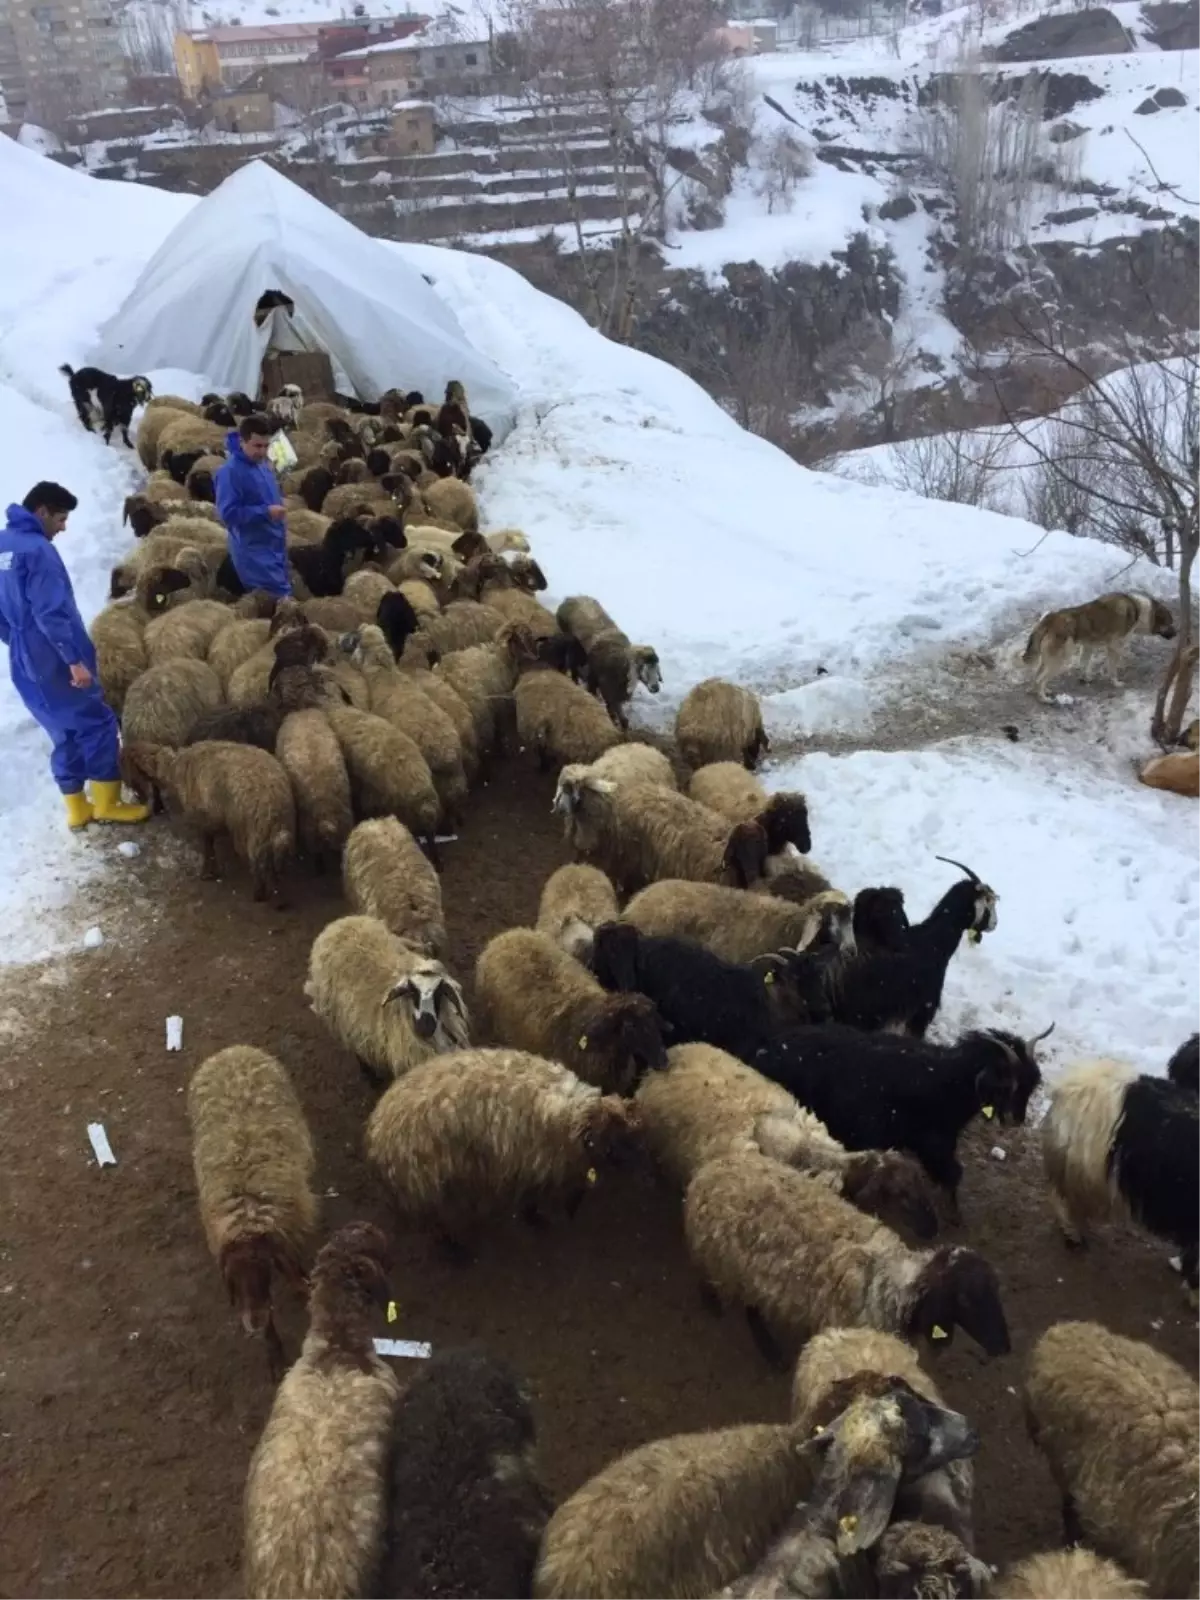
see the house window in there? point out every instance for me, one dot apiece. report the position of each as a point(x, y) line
point(439, 63)
point(470, 58)
point(414, 122)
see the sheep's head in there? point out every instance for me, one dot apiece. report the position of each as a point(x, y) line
point(611, 1131)
point(784, 819)
point(517, 638)
point(157, 585)
point(614, 956)
point(958, 1288)
point(247, 1266)
point(880, 920)
point(348, 1278)
point(180, 462)
point(456, 394)
point(144, 766)
point(368, 647)
point(575, 783)
point(828, 923)
point(143, 390)
point(200, 485)
point(622, 1041)
point(298, 647)
point(314, 486)
point(397, 620)
point(892, 1186)
point(746, 852)
point(142, 515)
point(646, 667)
point(353, 471)
point(349, 542)
point(1004, 1086)
point(240, 404)
point(288, 614)
point(378, 461)
point(388, 531)
point(217, 411)
point(924, 1559)
point(878, 1434)
point(1162, 623)
point(434, 1005)
point(506, 540)
point(526, 573)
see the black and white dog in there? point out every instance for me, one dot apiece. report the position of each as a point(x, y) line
point(114, 398)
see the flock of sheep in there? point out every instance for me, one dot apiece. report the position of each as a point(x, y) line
point(694, 988)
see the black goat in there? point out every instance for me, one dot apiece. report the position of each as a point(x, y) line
point(884, 1092)
point(324, 567)
point(700, 997)
point(1183, 1069)
point(1154, 1156)
point(880, 920)
point(115, 398)
point(902, 988)
point(481, 434)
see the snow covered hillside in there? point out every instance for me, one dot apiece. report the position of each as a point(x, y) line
point(633, 485)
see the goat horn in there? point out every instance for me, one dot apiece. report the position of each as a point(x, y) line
point(1038, 1037)
point(950, 862)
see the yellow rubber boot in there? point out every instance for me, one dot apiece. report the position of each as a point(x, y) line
point(108, 806)
point(79, 810)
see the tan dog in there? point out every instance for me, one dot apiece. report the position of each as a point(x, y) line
point(1085, 631)
point(1179, 772)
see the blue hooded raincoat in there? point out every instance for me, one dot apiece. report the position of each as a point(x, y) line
point(257, 546)
point(45, 635)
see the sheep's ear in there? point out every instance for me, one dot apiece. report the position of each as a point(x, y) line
point(770, 968)
point(856, 1496)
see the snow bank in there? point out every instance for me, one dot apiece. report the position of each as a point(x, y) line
point(1097, 878)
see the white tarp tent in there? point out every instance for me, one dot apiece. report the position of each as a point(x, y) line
point(380, 322)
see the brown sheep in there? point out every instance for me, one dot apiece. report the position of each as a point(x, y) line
point(397, 697)
point(462, 625)
point(163, 546)
point(388, 774)
point(560, 722)
point(1075, 1574)
point(118, 635)
point(386, 875)
point(253, 1159)
point(364, 589)
point(575, 901)
point(484, 677)
point(424, 601)
point(1118, 1422)
point(160, 413)
point(514, 605)
point(235, 644)
point(162, 705)
point(709, 1104)
point(308, 751)
point(731, 923)
point(538, 998)
point(186, 439)
point(626, 764)
point(227, 788)
point(315, 1504)
point(455, 501)
point(801, 1259)
point(584, 618)
point(477, 1133)
point(727, 788)
point(718, 721)
point(644, 832)
point(391, 1004)
point(354, 500)
point(186, 631)
point(840, 1362)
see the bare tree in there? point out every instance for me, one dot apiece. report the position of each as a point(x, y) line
point(782, 162)
point(956, 466)
point(1129, 444)
point(624, 67)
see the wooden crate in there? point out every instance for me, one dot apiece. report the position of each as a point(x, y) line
point(312, 370)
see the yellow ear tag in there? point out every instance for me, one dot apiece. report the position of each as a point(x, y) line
point(974, 935)
point(160, 599)
point(938, 1333)
point(988, 1111)
point(393, 1311)
point(583, 1041)
point(820, 1428)
point(848, 1523)
point(591, 1174)
point(769, 978)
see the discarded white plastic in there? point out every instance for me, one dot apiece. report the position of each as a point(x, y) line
point(129, 848)
point(415, 1349)
point(100, 1145)
point(93, 939)
point(445, 838)
point(174, 1033)
point(997, 1154)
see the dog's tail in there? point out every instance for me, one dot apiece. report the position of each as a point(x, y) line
point(1035, 640)
point(67, 372)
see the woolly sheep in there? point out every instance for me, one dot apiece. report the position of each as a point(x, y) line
point(161, 706)
point(483, 676)
point(840, 1362)
point(385, 874)
point(453, 706)
point(355, 499)
point(162, 547)
point(235, 644)
point(708, 1104)
point(644, 832)
point(253, 1159)
point(1075, 1574)
point(719, 721)
point(160, 413)
point(315, 1502)
point(514, 605)
point(583, 618)
point(364, 589)
point(1119, 1145)
point(575, 901)
point(257, 724)
point(118, 635)
point(461, 625)
point(1117, 1421)
point(388, 1002)
point(538, 998)
point(686, 1515)
point(800, 1259)
point(186, 631)
point(454, 500)
point(398, 699)
point(388, 774)
point(483, 1131)
point(560, 722)
point(921, 1558)
point(467, 1509)
point(187, 439)
point(421, 597)
point(308, 751)
point(615, 667)
point(307, 527)
point(626, 764)
point(729, 922)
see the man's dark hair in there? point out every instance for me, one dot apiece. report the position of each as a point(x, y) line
point(47, 496)
point(255, 427)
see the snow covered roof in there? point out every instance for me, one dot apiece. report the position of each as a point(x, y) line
point(376, 316)
point(281, 30)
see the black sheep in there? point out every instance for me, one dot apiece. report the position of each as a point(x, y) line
point(700, 997)
point(398, 621)
point(325, 567)
point(1183, 1069)
point(1155, 1154)
point(886, 1092)
point(466, 1509)
point(314, 486)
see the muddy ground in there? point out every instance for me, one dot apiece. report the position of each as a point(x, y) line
point(130, 1402)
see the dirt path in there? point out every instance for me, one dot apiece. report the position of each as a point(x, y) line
point(129, 1402)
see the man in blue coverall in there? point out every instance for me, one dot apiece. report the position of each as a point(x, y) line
point(251, 507)
point(53, 661)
